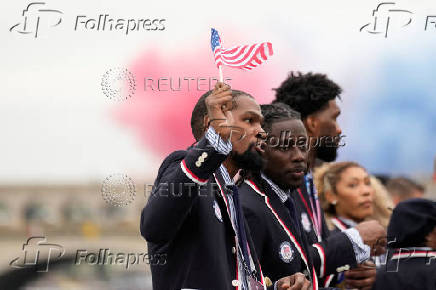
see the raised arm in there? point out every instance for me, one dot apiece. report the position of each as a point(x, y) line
point(179, 182)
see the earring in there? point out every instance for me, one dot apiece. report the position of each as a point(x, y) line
point(334, 202)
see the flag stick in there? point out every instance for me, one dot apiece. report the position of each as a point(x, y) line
point(221, 73)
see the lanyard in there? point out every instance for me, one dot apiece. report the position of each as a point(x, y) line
point(243, 249)
point(316, 210)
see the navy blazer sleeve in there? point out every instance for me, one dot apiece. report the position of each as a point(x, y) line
point(175, 191)
point(332, 253)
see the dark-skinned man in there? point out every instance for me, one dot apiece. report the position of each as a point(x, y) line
point(203, 232)
point(314, 97)
point(281, 247)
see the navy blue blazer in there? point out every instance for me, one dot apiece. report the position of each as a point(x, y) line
point(282, 249)
point(186, 219)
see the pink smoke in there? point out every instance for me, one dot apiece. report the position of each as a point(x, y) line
point(161, 119)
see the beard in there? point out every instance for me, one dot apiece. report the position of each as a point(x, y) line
point(327, 153)
point(250, 161)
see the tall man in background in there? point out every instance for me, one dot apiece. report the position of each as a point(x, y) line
point(314, 97)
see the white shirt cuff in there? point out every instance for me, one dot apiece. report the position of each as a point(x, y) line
point(221, 146)
point(362, 251)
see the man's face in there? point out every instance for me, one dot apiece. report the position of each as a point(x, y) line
point(286, 163)
point(247, 120)
point(327, 132)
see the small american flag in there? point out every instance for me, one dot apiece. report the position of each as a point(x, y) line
point(244, 57)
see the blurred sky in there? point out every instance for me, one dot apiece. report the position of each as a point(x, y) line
point(57, 126)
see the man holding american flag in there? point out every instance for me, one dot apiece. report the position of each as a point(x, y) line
point(204, 233)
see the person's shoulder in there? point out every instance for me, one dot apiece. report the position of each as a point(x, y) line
point(174, 157)
point(249, 188)
point(171, 161)
point(250, 195)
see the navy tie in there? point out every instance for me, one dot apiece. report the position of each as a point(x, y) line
point(290, 205)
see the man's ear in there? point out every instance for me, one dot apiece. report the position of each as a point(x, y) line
point(311, 123)
point(205, 122)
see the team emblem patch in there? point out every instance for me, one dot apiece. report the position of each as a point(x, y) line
point(217, 211)
point(286, 252)
point(307, 226)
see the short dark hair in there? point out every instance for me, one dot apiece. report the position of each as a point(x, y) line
point(307, 93)
point(403, 187)
point(276, 112)
point(200, 110)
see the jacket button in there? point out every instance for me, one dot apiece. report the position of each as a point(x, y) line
point(268, 282)
point(234, 250)
point(343, 268)
point(236, 283)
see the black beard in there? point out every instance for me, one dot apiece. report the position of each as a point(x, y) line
point(250, 160)
point(326, 153)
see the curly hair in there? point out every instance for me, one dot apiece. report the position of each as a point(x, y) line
point(383, 204)
point(307, 93)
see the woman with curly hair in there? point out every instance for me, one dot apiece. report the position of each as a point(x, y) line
point(349, 195)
